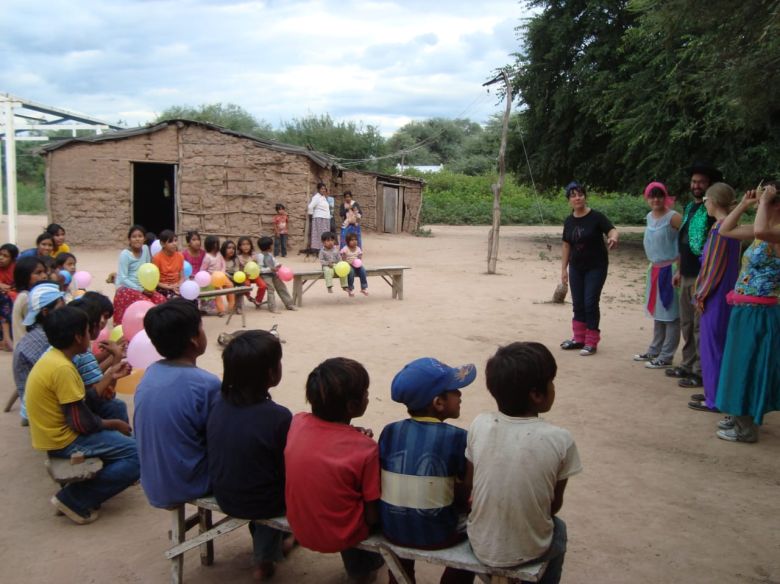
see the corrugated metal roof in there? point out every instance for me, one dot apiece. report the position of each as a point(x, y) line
point(319, 158)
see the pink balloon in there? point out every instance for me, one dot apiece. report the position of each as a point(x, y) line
point(356, 263)
point(285, 274)
point(189, 290)
point(133, 321)
point(103, 336)
point(83, 279)
point(141, 352)
point(203, 279)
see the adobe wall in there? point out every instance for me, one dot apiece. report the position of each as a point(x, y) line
point(364, 191)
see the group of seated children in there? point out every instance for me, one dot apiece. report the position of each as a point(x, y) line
point(198, 435)
point(352, 254)
point(68, 392)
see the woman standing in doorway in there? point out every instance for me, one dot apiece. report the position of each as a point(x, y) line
point(351, 214)
point(319, 209)
point(584, 265)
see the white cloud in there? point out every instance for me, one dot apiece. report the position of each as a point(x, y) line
point(383, 63)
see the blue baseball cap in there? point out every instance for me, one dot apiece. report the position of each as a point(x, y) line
point(41, 296)
point(420, 381)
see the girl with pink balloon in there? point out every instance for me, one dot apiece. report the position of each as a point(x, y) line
point(353, 255)
point(128, 287)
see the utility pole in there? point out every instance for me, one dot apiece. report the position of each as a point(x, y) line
point(497, 187)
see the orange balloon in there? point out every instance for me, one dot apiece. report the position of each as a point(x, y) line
point(128, 384)
point(219, 280)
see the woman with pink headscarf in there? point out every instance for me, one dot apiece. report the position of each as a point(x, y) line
point(661, 297)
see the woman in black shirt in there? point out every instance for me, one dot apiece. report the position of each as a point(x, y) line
point(584, 267)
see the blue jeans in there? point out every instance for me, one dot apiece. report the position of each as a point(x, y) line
point(121, 469)
point(361, 272)
point(266, 543)
point(280, 245)
point(555, 554)
point(108, 409)
point(586, 288)
point(360, 563)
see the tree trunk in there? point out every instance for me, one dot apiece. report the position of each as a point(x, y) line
point(496, 188)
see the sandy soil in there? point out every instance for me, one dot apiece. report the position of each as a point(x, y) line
point(660, 498)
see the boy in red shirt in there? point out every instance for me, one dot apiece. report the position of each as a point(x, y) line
point(280, 231)
point(341, 462)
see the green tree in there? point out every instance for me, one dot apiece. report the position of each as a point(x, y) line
point(432, 141)
point(229, 115)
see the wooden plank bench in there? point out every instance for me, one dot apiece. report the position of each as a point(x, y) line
point(459, 556)
point(239, 291)
point(75, 469)
point(392, 275)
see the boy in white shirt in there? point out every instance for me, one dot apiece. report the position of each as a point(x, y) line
point(521, 464)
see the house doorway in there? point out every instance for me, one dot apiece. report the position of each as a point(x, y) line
point(392, 209)
point(154, 196)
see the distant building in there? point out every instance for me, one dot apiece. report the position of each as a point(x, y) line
point(419, 167)
point(183, 175)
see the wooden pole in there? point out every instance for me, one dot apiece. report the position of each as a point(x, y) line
point(496, 188)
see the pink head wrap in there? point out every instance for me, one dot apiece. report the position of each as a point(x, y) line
point(668, 201)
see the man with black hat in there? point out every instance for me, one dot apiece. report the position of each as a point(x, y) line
point(692, 237)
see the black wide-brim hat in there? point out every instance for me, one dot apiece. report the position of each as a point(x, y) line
point(702, 167)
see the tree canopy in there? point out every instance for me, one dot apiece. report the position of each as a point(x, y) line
point(230, 116)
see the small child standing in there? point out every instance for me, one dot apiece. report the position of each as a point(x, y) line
point(272, 281)
point(329, 257)
point(350, 253)
point(423, 462)
point(281, 230)
point(521, 464)
point(342, 461)
point(170, 262)
point(8, 255)
point(246, 254)
point(246, 435)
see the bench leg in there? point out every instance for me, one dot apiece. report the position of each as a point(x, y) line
point(398, 287)
point(298, 292)
point(207, 549)
point(394, 565)
point(178, 533)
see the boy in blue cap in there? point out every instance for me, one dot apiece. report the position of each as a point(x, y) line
point(423, 461)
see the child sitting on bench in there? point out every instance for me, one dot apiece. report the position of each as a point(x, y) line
point(423, 460)
point(329, 257)
point(333, 468)
point(521, 465)
point(173, 402)
point(62, 424)
point(246, 436)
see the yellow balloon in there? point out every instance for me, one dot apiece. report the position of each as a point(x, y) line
point(116, 333)
point(341, 269)
point(252, 270)
point(149, 276)
point(239, 277)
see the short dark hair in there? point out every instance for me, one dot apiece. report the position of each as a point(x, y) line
point(90, 307)
point(328, 235)
point(279, 206)
point(150, 237)
point(55, 228)
point(517, 369)
point(134, 228)
point(62, 326)
point(171, 325)
point(63, 257)
point(190, 234)
point(12, 250)
point(347, 193)
point(24, 269)
point(249, 360)
point(320, 185)
point(264, 243)
point(225, 245)
point(350, 237)
point(166, 235)
point(43, 237)
point(333, 384)
point(211, 243)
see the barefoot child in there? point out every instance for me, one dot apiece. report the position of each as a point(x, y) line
point(351, 253)
point(329, 257)
point(521, 464)
point(170, 262)
point(342, 461)
point(172, 406)
point(281, 229)
point(272, 281)
point(246, 435)
point(423, 462)
point(8, 255)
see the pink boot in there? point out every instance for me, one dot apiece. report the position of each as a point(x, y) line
point(592, 338)
point(578, 336)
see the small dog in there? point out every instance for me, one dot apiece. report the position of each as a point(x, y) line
point(559, 296)
point(309, 251)
point(223, 340)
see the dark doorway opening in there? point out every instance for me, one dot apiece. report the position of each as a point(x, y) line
point(154, 203)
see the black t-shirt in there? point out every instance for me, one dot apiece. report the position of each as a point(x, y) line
point(246, 458)
point(690, 263)
point(585, 235)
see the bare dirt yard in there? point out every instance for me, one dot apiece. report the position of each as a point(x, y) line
point(661, 499)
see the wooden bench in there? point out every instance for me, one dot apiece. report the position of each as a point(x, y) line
point(73, 470)
point(239, 291)
point(459, 556)
point(392, 275)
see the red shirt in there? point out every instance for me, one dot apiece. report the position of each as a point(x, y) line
point(281, 224)
point(332, 470)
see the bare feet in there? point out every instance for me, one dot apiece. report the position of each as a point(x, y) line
point(264, 571)
point(364, 292)
point(351, 293)
point(289, 544)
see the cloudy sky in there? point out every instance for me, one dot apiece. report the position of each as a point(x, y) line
point(380, 62)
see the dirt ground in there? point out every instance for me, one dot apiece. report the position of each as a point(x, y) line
point(660, 498)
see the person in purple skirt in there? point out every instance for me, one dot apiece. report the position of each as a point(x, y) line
point(719, 271)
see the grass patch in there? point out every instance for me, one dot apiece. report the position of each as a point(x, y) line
point(30, 199)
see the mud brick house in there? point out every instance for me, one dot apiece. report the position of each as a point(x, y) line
point(186, 175)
